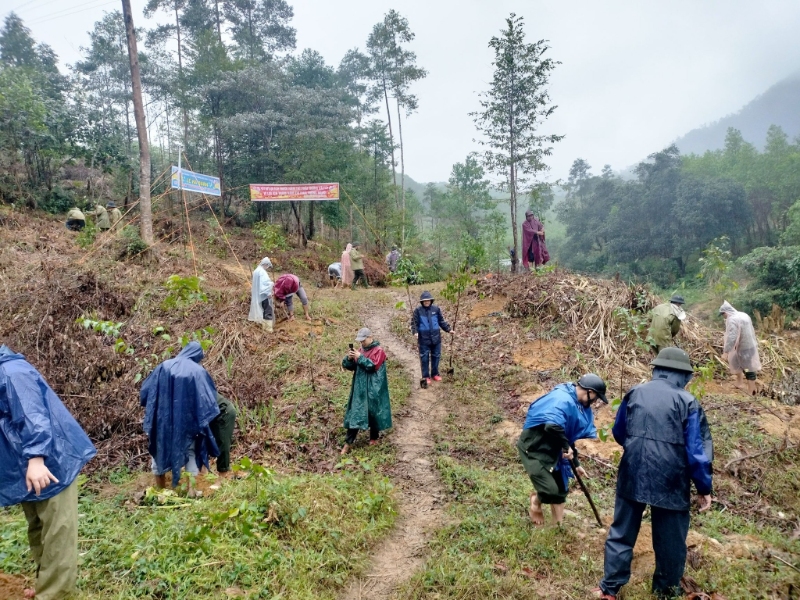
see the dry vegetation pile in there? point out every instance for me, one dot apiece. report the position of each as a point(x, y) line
point(282, 383)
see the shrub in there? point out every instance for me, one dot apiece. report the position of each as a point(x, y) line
point(132, 243)
point(270, 237)
point(56, 201)
point(777, 274)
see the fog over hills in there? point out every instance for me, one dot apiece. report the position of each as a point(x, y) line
point(779, 105)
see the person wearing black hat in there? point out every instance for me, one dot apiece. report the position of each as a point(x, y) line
point(357, 265)
point(114, 215)
point(668, 446)
point(666, 323)
point(425, 324)
point(552, 426)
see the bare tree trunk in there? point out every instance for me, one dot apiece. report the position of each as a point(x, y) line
point(180, 76)
point(141, 129)
point(219, 28)
point(402, 176)
point(391, 142)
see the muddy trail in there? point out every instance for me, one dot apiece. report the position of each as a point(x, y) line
point(420, 493)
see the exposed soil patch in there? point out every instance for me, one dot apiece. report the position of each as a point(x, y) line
point(484, 308)
point(603, 417)
point(541, 355)
point(420, 492)
point(782, 422)
point(11, 587)
point(509, 431)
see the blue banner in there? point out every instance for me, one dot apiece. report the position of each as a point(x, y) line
point(195, 182)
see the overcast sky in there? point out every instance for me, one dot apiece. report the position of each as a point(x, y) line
point(636, 74)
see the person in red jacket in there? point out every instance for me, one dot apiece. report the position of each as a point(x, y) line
point(286, 286)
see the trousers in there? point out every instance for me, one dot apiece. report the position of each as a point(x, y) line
point(350, 438)
point(53, 537)
point(429, 356)
point(670, 528)
point(222, 428)
point(359, 275)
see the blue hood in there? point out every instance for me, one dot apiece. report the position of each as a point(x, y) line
point(561, 407)
point(180, 402)
point(34, 422)
point(677, 378)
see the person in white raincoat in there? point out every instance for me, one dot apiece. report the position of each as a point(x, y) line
point(741, 346)
point(261, 303)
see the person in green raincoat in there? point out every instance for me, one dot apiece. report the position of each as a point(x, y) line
point(666, 323)
point(101, 217)
point(368, 406)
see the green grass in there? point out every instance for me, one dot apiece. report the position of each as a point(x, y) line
point(270, 537)
point(489, 549)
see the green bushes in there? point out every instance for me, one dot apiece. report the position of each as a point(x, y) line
point(777, 277)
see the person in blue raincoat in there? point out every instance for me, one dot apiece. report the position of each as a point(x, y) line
point(552, 426)
point(42, 451)
point(180, 402)
point(668, 446)
point(425, 325)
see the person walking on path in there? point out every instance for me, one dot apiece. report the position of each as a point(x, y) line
point(286, 286)
point(115, 216)
point(101, 217)
point(357, 264)
point(368, 406)
point(76, 220)
point(347, 270)
point(392, 259)
point(262, 309)
point(180, 402)
point(425, 325)
point(666, 323)
point(42, 451)
point(741, 347)
point(667, 447)
point(534, 249)
point(547, 445)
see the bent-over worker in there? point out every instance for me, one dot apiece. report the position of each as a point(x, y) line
point(368, 406)
point(180, 402)
point(741, 347)
point(286, 286)
point(101, 217)
point(42, 451)
point(115, 216)
point(666, 323)
point(76, 220)
point(667, 447)
point(553, 424)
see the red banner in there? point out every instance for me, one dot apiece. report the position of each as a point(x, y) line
point(269, 192)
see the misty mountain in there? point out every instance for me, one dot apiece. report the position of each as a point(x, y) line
point(777, 106)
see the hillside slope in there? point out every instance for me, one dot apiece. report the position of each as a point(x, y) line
point(777, 106)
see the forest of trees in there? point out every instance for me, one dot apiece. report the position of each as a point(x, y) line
point(221, 81)
point(658, 226)
point(223, 85)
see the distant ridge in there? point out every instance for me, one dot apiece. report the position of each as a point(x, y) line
point(779, 105)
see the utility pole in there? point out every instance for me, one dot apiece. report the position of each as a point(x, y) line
point(145, 208)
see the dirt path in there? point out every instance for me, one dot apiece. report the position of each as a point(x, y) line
point(420, 492)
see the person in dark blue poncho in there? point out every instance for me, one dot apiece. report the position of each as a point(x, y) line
point(554, 423)
point(668, 446)
point(42, 451)
point(180, 402)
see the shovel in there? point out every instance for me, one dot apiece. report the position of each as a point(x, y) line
point(586, 492)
